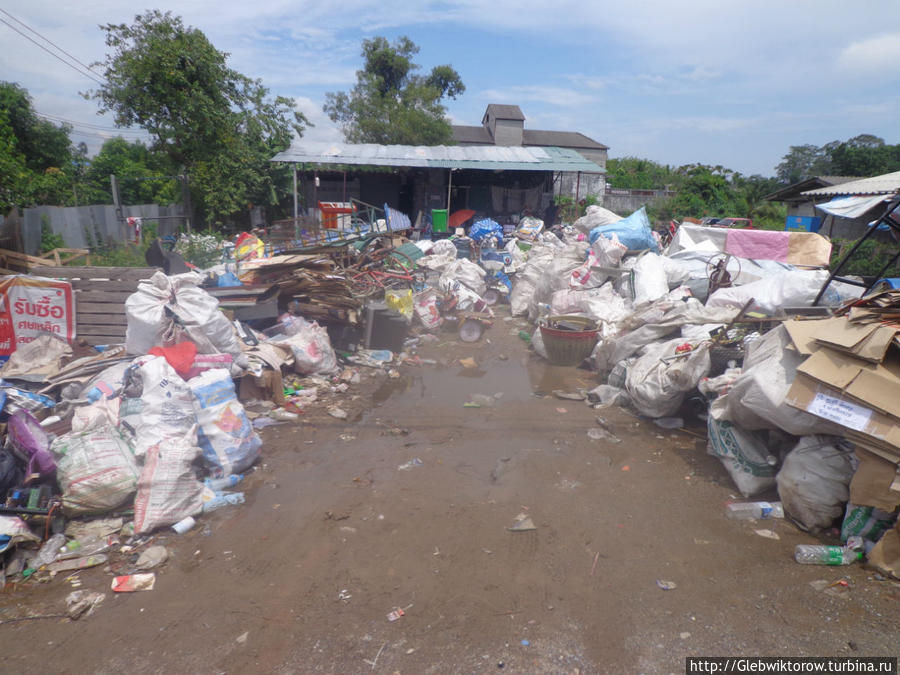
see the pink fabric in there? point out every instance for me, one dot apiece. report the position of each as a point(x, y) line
point(758, 244)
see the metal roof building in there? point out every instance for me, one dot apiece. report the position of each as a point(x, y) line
point(885, 184)
point(478, 157)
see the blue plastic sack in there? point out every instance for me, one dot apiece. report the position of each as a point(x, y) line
point(227, 280)
point(634, 232)
point(486, 228)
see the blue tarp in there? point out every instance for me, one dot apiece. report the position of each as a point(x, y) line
point(633, 232)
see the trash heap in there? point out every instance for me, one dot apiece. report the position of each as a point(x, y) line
point(719, 325)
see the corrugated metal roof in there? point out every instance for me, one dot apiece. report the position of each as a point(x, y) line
point(485, 157)
point(885, 184)
point(796, 190)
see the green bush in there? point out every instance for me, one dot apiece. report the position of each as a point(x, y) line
point(868, 260)
point(50, 239)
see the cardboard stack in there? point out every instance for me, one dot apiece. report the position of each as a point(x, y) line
point(851, 377)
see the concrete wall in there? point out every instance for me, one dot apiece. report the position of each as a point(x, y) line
point(508, 132)
point(80, 226)
point(626, 202)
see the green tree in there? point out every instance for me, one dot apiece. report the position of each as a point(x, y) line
point(390, 103)
point(169, 79)
point(801, 162)
point(144, 177)
point(706, 191)
point(632, 173)
point(43, 144)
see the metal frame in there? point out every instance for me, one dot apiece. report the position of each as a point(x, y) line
point(891, 218)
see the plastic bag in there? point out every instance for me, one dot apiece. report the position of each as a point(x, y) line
point(465, 272)
point(650, 282)
point(756, 398)
point(744, 454)
point(312, 350)
point(29, 440)
point(225, 434)
point(657, 387)
point(608, 250)
point(486, 229)
point(425, 306)
point(634, 232)
point(595, 216)
point(797, 288)
point(167, 489)
point(867, 522)
point(814, 481)
point(158, 405)
point(96, 470)
point(400, 301)
point(149, 325)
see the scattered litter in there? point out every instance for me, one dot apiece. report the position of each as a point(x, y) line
point(130, 583)
point(669, 422)
point(569, 395)
point(410, 464)
point(152, 557)
point(768, 534)
point(339, 413)
point(468, 363)
point(596, 434)
point(82, 603)
point(666, 585)
point(522, 523)
point(561, 411)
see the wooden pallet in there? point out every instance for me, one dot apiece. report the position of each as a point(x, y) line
point(100, 294)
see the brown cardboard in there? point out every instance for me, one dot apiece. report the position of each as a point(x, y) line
point(873, 480)
point(267, 387)
point(874, 347)
point(880, 428)
point(885, 557)
point(839, 370)
point(839, 332)
point(803, 334)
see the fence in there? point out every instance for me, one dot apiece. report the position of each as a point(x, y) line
point(87, 226)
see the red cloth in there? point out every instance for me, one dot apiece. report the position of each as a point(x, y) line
point(180, 357)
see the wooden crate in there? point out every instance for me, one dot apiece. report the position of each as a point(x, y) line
point(100, 294)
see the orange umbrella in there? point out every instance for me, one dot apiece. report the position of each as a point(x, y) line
point(457, 218)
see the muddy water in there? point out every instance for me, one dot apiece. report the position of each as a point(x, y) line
point(409, 506)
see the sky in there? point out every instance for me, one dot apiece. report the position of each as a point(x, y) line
point(734, 83)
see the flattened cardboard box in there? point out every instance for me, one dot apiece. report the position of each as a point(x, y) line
point(875, 385)
point(875, 482)
point(864, 423)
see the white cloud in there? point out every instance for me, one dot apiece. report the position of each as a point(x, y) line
point(873, 57)
point(553, 96)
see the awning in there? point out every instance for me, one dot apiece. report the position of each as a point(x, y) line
point(851, 207)
point(484, 157)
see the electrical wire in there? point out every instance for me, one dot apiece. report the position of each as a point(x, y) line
point(54, 55)
point(88, 125)
point(47, 40)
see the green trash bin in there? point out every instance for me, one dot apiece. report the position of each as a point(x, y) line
point(438, 220)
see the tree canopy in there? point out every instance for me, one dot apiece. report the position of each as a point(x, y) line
point(864, 155)
point(169, 79)
point(391, 103)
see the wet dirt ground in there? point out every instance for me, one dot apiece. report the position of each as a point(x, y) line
point(346, 521)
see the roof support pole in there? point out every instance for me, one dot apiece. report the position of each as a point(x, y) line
point(577, 187)
point(296, 212)
point(449, 187)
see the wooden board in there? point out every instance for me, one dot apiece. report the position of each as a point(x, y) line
point(95, 273)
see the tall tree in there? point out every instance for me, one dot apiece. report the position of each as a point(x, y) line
point(801, 162)
point(390, 103)
point(40, 142)
point(169, 79)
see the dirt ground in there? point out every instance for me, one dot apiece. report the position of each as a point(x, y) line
point(337, 532)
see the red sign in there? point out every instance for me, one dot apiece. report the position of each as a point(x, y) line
point(32, 306)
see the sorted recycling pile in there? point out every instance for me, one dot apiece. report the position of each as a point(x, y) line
point(154, 433)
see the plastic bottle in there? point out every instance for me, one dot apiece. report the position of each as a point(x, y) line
point(814, 554)
point(49, 551)
point(754, 510)
point(224, 483)
point(223, 499)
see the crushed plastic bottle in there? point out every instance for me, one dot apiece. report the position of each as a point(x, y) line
point(754, 510)
point(816, 554)
point(224, 483)
point(223, 499)
point(49, 551)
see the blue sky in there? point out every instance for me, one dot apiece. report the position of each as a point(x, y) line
point(729, 82)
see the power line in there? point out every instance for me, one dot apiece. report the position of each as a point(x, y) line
point(19, 21)
point(54, 55)
point(88, 125)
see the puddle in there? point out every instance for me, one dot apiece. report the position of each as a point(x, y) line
point(516, 379)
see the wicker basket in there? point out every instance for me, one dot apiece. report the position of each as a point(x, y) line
point(569, 347)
